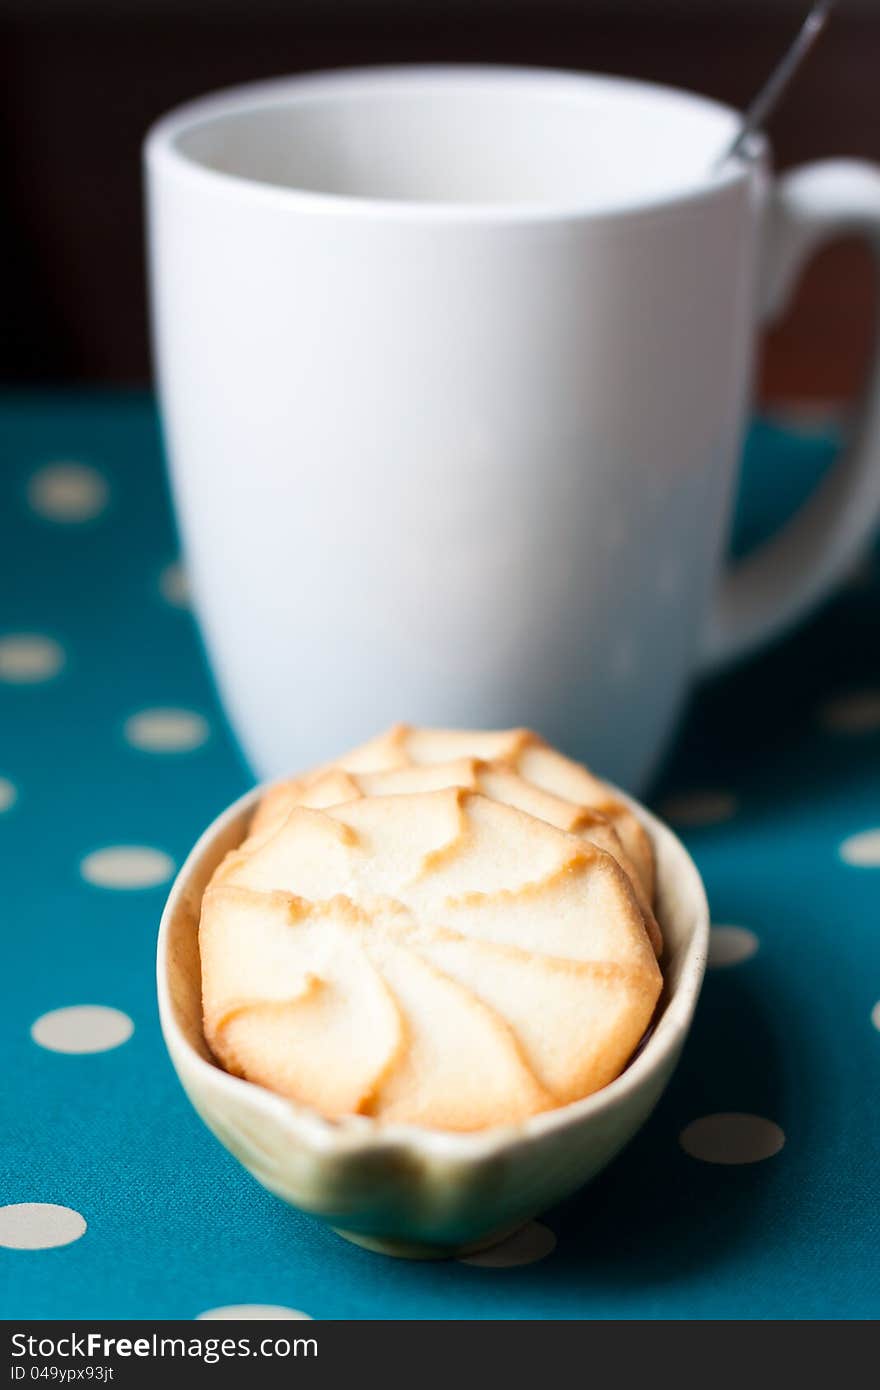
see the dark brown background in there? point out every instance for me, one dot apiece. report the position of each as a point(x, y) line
point(80, 83)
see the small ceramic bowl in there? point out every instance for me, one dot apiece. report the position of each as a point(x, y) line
point(399, 1189)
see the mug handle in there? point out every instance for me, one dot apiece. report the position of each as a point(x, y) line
point(770, 590)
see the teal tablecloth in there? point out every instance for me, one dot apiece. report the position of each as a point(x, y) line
point(785, 756)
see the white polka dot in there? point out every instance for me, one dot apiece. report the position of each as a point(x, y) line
point(875, 1015)
point(68, 492)
point(862, 850)
point(534, 1242)
point(731, 946)
point(82, 1028)
point(731, 1139)
point(29, 657)
point(166, 730)
point(8, 794)
point(856, 713)
point(248, 1312)
point(174, 585)
point(699, 808)
point(127, 866)
point(39, 1226)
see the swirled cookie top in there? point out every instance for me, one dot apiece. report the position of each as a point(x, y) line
point(434, 957)
point(511, 765)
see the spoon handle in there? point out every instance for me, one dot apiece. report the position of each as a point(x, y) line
point(773, 88)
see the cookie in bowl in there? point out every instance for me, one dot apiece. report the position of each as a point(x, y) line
point(430, 933)
point(409, 1189)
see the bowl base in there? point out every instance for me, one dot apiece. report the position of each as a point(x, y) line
point(418, 1250)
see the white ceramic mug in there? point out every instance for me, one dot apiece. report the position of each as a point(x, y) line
point(454, 367)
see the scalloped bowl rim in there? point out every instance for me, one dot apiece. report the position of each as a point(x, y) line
point(353, 1133)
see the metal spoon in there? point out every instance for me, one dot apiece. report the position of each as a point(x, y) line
point(773, 88)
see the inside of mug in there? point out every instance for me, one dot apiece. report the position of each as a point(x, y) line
point(465, 137)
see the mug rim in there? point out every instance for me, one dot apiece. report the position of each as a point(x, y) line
point(163, 153)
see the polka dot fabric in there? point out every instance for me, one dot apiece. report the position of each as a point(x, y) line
point(746, 1194)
